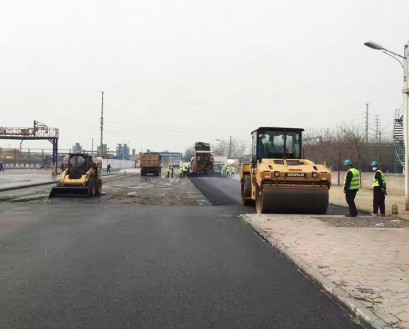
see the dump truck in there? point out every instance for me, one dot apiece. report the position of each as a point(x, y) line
point(81, 178)
point(202, 160)
point(277, 179)
point(151, 163)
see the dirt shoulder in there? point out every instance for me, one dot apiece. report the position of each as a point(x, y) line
point(364, 200)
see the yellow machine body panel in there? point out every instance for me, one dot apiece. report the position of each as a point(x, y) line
point(81, 178)
point(284, 184)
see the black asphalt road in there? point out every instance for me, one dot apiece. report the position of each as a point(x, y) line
point(99, 266)
point(226, 191)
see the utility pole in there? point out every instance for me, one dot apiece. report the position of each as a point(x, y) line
point(230, 148)
point(405, 92)
point(102, 124)
point(367, 122)
point(379, 142)
point(378, 134)
point(92, 146)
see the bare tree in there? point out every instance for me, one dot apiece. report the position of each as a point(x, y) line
point(237, 148)
point(189, 152)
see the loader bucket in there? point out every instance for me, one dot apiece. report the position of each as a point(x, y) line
point(69, 192)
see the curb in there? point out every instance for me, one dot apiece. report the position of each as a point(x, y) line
point(354, 307)
point(5, 189)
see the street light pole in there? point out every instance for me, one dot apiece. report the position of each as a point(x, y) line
point(405, 122)
point(405, 91)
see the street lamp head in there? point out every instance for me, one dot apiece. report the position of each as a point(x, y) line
point(373, 45)
point(218, 140)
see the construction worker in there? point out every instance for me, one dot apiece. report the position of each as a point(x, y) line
point(228, 171)
point(379, 190)
point(232, 172)
point(352, 183)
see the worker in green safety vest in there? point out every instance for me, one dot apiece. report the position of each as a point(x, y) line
point(352, 183)
point(185, 170)
point(379, 190)
point(224, 170)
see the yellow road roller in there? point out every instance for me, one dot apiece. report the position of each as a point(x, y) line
point(81, 178)
point(278, 180)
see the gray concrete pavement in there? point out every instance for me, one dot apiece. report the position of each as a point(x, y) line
point(363, 266)
point(12, 179)
point(23, 178)
point(98, 266)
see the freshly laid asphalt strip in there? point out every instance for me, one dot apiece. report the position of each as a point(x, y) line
point(100, 266)
point(226, 191)
point(218, 190)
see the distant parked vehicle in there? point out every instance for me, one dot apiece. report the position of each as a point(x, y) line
point(151, 162)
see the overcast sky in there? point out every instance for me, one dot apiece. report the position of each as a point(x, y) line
point(177, 72)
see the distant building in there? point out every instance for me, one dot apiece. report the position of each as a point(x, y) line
point(122, 152)
point(77, 148)
point(171, 157)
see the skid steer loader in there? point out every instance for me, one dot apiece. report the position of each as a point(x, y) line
point(278, 180)
point(82, 178)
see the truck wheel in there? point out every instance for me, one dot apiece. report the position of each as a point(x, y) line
point(142, 172)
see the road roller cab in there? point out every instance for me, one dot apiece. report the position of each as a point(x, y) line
point(278, 180)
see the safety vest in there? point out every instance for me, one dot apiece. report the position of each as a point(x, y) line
point(355, 181)
point(375, 181)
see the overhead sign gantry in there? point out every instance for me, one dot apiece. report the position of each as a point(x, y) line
point(39, 131)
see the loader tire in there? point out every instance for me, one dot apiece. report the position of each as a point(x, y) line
point(91, 189)
point(98, 190)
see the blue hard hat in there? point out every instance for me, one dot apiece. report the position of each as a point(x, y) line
point(375, 164)
point(347, 163)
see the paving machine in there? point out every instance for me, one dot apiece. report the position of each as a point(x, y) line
point(202, 160)
point(81, 178)
point(278, 180)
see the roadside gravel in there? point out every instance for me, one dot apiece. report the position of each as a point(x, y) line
point(364, 221)
point(157, 191)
